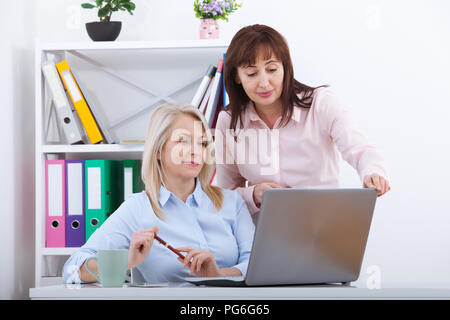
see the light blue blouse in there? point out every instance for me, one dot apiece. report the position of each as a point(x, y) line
point(227, 233)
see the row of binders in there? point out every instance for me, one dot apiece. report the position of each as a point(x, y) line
point(77, 117)
point(81, 194)
point(211, 96)
point(75, 114)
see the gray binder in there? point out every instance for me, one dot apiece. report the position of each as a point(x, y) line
point(66, 118)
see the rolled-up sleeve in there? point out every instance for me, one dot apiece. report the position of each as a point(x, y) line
point(115, 233)
point(73, 264)
point(244, 230)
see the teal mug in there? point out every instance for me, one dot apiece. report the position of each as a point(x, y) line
point(112, 267)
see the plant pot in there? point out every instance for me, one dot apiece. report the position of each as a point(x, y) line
point(209, 29)
point(104, 31)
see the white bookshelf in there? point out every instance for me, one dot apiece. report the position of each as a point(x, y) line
point(156, 71)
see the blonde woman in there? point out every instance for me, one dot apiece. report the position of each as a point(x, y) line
point(212, 226)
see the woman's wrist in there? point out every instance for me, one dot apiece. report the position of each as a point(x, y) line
point(132, 264)
point(226, 272)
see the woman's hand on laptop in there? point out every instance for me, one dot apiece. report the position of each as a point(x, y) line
point(377, 182)
point(200, 262)
point(259, 190)
point(140, 244)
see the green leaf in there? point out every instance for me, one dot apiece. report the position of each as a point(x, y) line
point(129, 6)
point(87, 6)
point(98, 3)
point(103, 12)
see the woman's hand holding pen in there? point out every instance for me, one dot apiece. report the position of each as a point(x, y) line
point(200, 262)
point(141, 242)
point(377, 182)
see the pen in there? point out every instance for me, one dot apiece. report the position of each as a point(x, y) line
point(178, 253)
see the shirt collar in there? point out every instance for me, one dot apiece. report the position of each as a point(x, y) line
point(251, 114)
point(164, 194)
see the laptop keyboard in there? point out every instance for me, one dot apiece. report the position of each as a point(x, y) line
point(217, 281)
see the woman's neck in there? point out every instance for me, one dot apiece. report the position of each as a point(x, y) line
point(180, 187)
point(269, 113)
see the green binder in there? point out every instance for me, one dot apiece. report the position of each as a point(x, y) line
point(103, 191)
point(132, 182)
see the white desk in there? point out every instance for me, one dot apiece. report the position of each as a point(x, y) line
point(186, 291)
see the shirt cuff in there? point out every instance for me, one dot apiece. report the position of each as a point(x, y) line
point(247, 195)
point(72, 267)
point(242, 267)
point(378, 171)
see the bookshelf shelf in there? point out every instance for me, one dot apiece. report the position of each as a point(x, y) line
point(58, 251)
point(126, 79)
point(89, 148)
point(133, 45)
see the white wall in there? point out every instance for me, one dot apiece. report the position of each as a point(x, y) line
point(17, 23)
point(387, 60)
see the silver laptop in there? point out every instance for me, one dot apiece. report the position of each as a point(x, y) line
point(306, 236)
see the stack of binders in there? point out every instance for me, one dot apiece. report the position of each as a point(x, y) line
point(76, 115)
point(81, 194)
point(211, 96)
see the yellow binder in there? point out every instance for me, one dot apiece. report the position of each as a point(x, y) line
point(88, 121)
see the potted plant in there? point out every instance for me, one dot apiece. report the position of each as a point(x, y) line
point(209, 11)
point(105, 29)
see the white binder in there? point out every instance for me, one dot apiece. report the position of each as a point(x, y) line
point(204, 103)
point(197, 99)
point(64, 113)
point(214, 95)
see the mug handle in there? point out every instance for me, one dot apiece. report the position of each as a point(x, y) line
point(95, 275)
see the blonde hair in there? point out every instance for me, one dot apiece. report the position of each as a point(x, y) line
point(157, 135)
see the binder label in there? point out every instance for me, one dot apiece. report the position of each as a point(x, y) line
point(75, 189)
point(73, 89)
point(128, 183)
point(94, 188)
point(55, 190)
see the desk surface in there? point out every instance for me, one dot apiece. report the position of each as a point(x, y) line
point(187, 291)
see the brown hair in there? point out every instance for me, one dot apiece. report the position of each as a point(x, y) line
point(246, 46)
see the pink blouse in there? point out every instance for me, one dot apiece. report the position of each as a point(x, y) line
point(302, 154)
